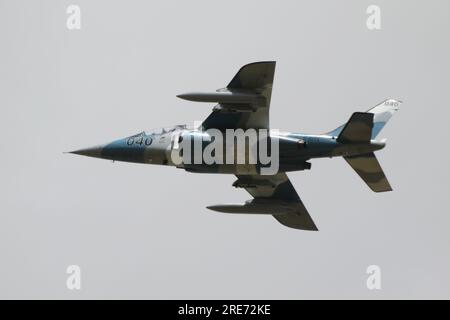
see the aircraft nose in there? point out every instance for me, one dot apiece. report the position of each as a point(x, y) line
point(95, 151)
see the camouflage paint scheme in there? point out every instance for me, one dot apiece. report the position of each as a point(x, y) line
point(244, 104)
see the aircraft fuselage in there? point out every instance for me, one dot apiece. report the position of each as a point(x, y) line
point(294, 150)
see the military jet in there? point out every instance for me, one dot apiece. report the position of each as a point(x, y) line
point(244, 104)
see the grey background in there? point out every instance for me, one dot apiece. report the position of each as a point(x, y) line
point(142, 231)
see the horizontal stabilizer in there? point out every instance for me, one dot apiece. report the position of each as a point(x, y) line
point(358, 128)
point(369, 169)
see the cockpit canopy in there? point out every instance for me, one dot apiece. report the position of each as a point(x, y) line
point(166, 129)
point(158, 131)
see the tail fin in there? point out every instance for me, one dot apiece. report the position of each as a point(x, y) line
point(381, 115)
point(369, 169)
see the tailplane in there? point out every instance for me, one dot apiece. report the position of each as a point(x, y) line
point(369, 169)
point(363, 127)
point(358, 128)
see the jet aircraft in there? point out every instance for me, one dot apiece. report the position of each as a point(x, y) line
point(244, 104)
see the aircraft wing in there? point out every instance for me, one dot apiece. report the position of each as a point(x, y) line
point(273, 195)
point(244, 103)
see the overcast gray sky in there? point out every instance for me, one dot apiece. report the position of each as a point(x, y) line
point(142, 231)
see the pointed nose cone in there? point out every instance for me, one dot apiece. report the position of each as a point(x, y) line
point(95, 152)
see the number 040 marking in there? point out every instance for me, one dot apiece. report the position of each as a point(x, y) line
point(139, 141)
